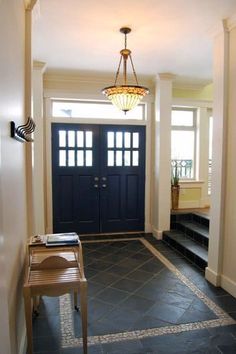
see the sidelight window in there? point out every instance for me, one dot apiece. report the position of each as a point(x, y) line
point(183, 142)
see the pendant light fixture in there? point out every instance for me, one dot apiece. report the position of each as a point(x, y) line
point(125, 97)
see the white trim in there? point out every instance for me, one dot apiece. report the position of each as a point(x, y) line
point(73, 94)
point(166, 76)
point(97, 121)
point(190, 103)
point(39, 65)
point(157, 233)
point(103, 78)
point(148, 227)
point(190, 182)
point(49, 120)
point(212, 277)
point(29, 4)
point(23, 342)
point(219, 151)
point(231, 22)
point(229, 285)
point(194, 85)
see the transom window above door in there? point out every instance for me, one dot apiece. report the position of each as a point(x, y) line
point(94, 109)
point(75, 148)
point(122, 148)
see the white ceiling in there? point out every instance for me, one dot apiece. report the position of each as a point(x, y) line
point(167, 35)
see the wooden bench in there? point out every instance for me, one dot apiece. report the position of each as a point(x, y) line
point(54, 271)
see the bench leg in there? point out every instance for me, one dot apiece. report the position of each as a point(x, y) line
point(83, 305)
point(76, 301)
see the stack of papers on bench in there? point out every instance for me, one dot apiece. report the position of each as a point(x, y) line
point(70, 238)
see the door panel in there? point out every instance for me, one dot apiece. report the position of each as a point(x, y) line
point(98, 178)
point(123, 166)
point(75, 168)
point(132, 196)
point(65, 198)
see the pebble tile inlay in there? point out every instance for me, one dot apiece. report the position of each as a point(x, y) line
point(69, 339)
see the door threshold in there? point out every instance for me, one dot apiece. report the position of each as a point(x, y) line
point(112, 234)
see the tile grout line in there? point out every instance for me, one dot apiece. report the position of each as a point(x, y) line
point(211, 304)
point(67, 330)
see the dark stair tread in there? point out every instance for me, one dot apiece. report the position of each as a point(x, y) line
point(196, 227)
point(202, 215)
point(183, 240)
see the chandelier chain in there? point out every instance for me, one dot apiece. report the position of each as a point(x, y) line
point(132, 64)
point(118, 70)
point(125, 96)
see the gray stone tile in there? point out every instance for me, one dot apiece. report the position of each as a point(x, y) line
point(166, 312)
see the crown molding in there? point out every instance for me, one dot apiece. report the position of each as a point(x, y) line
point(39, 65)
point(231, 22)
point(29, 4)
point(194, 86)
point(219, 28)
point(74, 77)
point(225, 25)
point(166, 76)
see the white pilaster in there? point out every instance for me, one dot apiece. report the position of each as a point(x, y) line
point(38, 171)
point(220, 106)
point(162, 155)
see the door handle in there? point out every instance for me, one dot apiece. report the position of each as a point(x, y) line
point(95, 185)
point(96, 178)
point(104, 185)
point(104, 178)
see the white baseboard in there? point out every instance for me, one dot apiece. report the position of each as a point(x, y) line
point(148, 227)
point(213, 277)
point(157, 233)
point(23, 342)
point(228, 285)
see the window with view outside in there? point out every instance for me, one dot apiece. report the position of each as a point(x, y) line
point(183, 131)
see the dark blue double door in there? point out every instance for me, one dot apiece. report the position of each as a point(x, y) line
point(98, 178)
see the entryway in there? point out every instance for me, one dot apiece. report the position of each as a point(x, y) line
point(98, 178)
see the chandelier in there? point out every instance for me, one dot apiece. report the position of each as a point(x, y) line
point(125, 97)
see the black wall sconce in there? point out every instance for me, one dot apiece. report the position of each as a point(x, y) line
point(23, 132)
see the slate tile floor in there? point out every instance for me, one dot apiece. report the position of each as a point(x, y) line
point(139, 300)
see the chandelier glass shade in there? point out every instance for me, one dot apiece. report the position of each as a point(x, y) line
point(125, 97)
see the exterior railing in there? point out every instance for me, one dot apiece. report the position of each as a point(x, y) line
point(183, 168)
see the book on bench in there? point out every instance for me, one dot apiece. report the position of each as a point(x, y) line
point(63, 239)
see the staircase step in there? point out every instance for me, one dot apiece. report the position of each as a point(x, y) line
point(193, 216)
point(196, 231)
point(188, 247)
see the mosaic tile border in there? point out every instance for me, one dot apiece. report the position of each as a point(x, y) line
point(69, 340)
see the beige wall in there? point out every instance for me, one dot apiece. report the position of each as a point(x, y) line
point(13, 230)
point(204, 93)
point(229, 263)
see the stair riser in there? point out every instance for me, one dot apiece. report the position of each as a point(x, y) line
point(201, 263)
point(190, 217)
point(194, 235)
point(201, 220)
